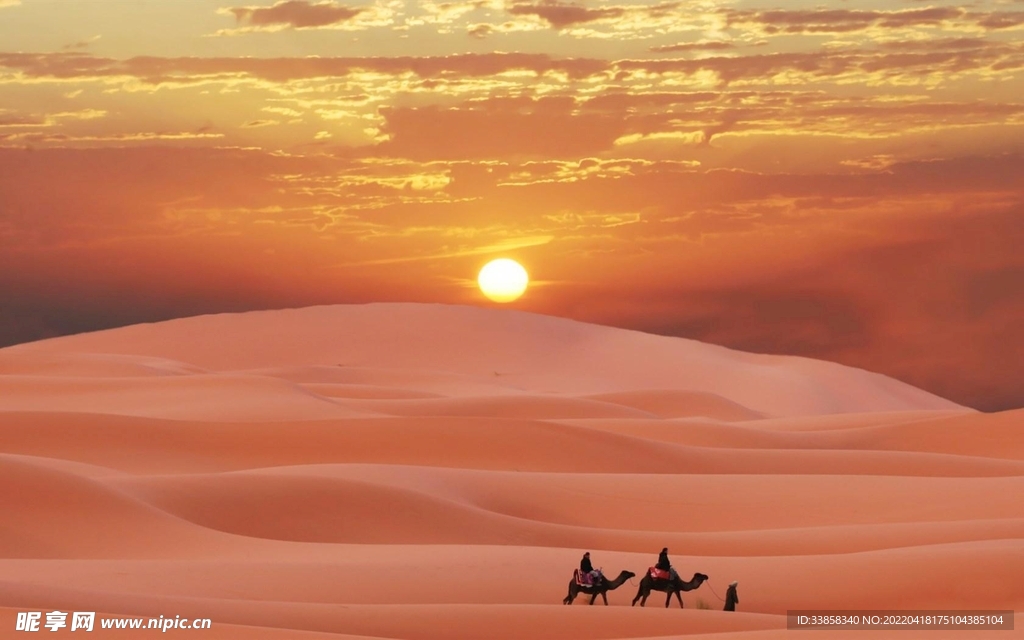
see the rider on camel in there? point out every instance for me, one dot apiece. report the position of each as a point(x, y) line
point(665, 565)
point(587, 570)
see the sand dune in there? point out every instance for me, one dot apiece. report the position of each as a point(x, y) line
point(396, 505)
point(366, 391)
point(993, 436)
point(502, 407)
point(640, 503)
point(432, 383)
point(56, 514)
point(462, 442)
point(90, 365)
point(196, 397)
point(675, 404)
point(355, 575)
point(427, 472)
point(529, 351)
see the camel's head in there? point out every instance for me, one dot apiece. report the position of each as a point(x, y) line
point(702, 577)
point(628, 574)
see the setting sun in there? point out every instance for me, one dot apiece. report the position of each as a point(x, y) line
point(503, 280)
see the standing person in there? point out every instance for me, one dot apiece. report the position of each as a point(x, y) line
point(587, 569)
point(730, 597)
point(665, 565)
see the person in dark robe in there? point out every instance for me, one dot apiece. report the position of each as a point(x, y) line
point(587, 569)
point(731, 599)
point(665, 565)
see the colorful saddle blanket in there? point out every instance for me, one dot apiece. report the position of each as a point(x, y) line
point(658, 574)
point(583, 579)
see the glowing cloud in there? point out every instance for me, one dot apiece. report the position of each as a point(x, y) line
point(297, 14)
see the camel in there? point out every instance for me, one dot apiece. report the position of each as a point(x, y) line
point(648, 584)
point(600, 589)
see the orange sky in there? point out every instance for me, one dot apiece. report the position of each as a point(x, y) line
point(842, 181)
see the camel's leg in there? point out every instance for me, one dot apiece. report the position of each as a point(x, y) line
point(593, 597)
point(604, 596)
point(668, 599)
point(680, 599)
point(638, 592)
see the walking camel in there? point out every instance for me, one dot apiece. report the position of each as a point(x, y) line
point(648, 584)
point(600, 589)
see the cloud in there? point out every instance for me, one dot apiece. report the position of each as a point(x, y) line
point(1001, 20)
point(480, 30)
point(257, 124)
point(510, 244)
point(155, 70)
point(579, 20)
point(752, 67)
point(702, 45)
point(545, 128)
point(681, 137)
point(297, 14)
point(867, 65)
point(562, 14)
point(838, 21)
point(35, 121)
point(938, 44)
point(863, 65)
point(81, 44)
point(10, 120)
point(145, 136)
point(445, 13)
point(653, 107)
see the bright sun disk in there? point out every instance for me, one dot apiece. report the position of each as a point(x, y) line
point(503, 280)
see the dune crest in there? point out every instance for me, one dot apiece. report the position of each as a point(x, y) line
point(510, 348)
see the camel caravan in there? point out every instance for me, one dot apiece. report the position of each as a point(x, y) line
point(661, 577)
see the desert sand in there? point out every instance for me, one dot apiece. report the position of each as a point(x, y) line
point(435, 472)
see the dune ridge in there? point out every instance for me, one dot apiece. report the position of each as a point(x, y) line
point(531, 351)
point(425, 471)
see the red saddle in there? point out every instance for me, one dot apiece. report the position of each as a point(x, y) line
point(658, 574)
